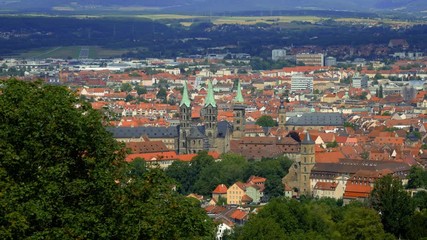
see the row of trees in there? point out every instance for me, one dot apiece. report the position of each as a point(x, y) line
point(389, 214)
point(146, 38)
point(63, 176)
point(203, 174)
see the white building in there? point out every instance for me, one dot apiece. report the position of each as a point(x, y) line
point(278, 54)
point(330, 61)
point(301, 83)
point(311, 59)
point(360, 81)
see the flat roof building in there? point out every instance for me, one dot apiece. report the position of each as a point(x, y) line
point(301, 83)
point(311, 59)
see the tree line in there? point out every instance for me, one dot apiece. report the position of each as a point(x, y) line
point(389, 213)
point(203, 173)
point(63, 176)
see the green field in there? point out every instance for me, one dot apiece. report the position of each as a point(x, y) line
point(70, 52)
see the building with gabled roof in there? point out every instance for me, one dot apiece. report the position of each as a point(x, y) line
point(314, 120)
point(328, 189)
point(219, 192)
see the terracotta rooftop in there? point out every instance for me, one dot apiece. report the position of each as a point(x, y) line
point(220, 189)
point(326, 186)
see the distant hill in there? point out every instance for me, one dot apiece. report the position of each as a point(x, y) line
point(224, 5)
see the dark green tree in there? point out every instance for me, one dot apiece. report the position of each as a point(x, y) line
point(129, 98)
point(140, 90)
point(418, 226)
point(262, 228)
point(126, 87)
point(380, 92)
point(266, 121)
point(393, 204)
point(362, 223)
point(158, 212)
point(58, 165)
point(62, 175)
point(161, 94)
point(417, 178)
point(420, 200)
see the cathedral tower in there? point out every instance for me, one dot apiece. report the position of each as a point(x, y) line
point(307, 164)
point(238, 114)
point(282, 114)
point(210, 116)
point(184, 121)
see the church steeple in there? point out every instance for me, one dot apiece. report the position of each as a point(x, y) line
point(238, 114)
point(307, 162)
point(211, 117)
point(210, 99)
point(282, 114)
point(184, 121)
point(185, 99)
point(239, 96)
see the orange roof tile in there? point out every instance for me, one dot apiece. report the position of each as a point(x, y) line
point(329, 157)
point(220, 189)
point(239, 214)
point(155, 156)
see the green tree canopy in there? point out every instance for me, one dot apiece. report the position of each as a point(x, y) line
point(362, 223)
point(266, 121)
point(126, 87)
point(393, 204)
point(62, 175)
point(417, 178)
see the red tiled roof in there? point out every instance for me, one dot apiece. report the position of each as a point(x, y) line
point(239, 214)
point(326, 186)
point(220, 189)
point(357, 191)
point(155, 156)
point(329, 157)
point(255, 179)
point(246, 199)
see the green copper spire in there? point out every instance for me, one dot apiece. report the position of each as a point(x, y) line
point(185, 99)
point(210, 100)
point(239, 96)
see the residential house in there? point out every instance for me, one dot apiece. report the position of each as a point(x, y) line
point(220, 192)
point(328, 189)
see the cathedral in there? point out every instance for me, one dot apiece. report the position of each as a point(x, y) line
point(212, 135)
point(193, 136)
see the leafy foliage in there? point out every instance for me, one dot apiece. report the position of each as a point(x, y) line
point(313, 219)
point(62, 175)
point(203, 174)
point(417, 178)
point(393, 203)
point(266, 121)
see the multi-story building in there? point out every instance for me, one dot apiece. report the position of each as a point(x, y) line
point(311, 59)
point(301, 83)
point(360, 81)
point(278, 54)
point(330, 61)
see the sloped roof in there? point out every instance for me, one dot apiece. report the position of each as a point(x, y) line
point(210, 99)
point(185, 99)
point(316, 119)
point(220, 189)
point(246, 199)
point(147, 147)
point(239, 214)
point(137, 132)
point(331, 186)
point(329, 157)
